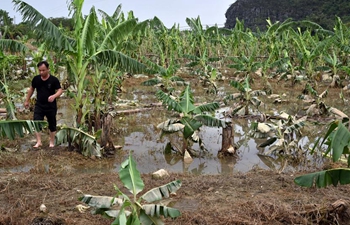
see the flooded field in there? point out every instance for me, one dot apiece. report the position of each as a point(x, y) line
point(138, 132)
point(252, 184)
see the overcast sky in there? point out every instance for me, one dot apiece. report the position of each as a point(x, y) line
point(211, 12)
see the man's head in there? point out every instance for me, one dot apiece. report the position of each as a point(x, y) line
point(43, 67)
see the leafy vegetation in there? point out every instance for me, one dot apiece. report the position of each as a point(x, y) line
point(245, 98)
point(190, 118)
point(126, 209)
point(338, 140)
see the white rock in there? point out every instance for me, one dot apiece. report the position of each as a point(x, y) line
point(82, 208)
point(326, 78)
point(160, 174)
point(43, 208)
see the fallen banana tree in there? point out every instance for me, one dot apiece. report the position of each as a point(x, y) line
point(85, 143)
point(12, 128)
point(282, 135)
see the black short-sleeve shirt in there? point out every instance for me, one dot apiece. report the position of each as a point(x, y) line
point(44, 89)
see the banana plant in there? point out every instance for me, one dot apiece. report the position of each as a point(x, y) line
point(333, 64)
point(337, 138)
point(245, 97)
point(308, 49)
point(10, 107)
point(133, 210)
point(340, 38)
point(287, 69)
point(191, 117)
point(166, 78)
point(203, 66)
point(246, 63)
point(165, 43)
point(85, 47)
point(198, 36)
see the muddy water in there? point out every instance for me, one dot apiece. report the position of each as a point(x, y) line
point(138, 133)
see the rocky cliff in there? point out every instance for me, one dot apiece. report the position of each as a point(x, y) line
point(255, 12)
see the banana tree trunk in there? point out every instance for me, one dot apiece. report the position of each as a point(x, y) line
point(79, 115)
point(227, 141)
point(184, 146)
point(106, 140)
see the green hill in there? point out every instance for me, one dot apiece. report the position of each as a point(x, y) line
point(255, 12)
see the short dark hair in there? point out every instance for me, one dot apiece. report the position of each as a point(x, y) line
point(43, 62)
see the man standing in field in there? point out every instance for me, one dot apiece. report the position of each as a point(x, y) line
point(48, 88)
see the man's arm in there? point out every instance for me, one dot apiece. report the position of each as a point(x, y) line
point(29, 94)
point(56, 95)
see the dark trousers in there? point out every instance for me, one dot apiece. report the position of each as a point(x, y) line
point(40, 112)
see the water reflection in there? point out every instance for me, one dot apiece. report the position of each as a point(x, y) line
point(143, 140)
point(150, 157)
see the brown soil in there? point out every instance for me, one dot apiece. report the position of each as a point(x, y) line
point(257, 197)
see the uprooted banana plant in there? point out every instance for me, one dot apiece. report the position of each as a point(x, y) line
point(318, 107)
point(246, 97)
point(131, 210)
point(283, 135)
point(190, 117)
point(85, 143)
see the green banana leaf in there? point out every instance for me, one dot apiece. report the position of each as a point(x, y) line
point(158, 193)
point(11, 128)
point(324, 178)
point(340, 140)
point(130, 176)
point(147, 214)
point(87, 143)
point(167, 100)
point(187, 101)
point(191, 125)
point(160, 210)
point(151, 82)
point(101, 201)
point(210, 121)
point(149, 220)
